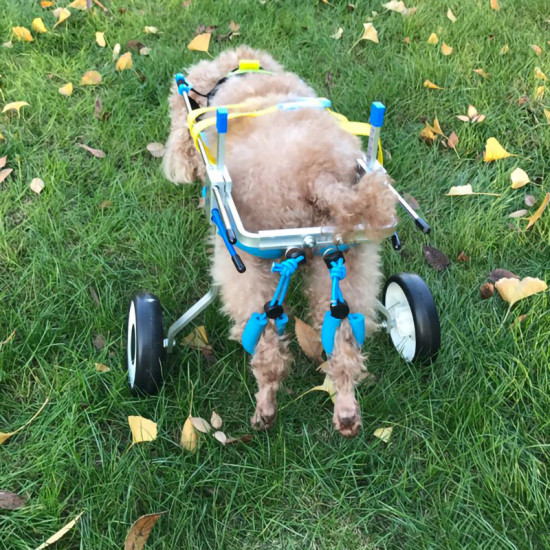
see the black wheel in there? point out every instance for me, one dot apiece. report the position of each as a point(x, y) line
point(415, 330)
point(146, 353)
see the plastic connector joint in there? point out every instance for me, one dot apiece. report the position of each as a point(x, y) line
point(377, 111)
point(221, 120)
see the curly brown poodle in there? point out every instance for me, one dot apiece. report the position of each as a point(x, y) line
point(289, 169)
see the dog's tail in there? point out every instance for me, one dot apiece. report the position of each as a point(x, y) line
point(369, 202)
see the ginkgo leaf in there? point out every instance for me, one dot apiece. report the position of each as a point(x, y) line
point(464, 118)
point(78, 5)
point(519, 178)
point(446, 49)
point(451, 15)
point(494, 151)
point(436, 127)
point(395, 5)
point(139, 532)
point(472, 111)
point(427, 133)
point(150, 30)
point(221, 437)
point(37, 25)
point(383, 433)
point(62, 14)
point(66, 90)
point(539, 74)
point(100, 39)
point(539, 92)
point(124, 62)
point(90, 78)
point(216, 420)
point(62, 532)
point(538, 213)
point(433, 39)
point(5, 173)
point(116, 51)
point(22, 33)
point(46, 3)
point(37, 185)
point(308, 340)
point(481, 72)
point(100, 367)
point(338, 34)
point(537, 49)
point(431, 85)
point(547, 115)
point(157, 150)
point(494, 4)
point(142, 429)
point(14, 106)
point(462, 190)
point(505, 49)
point(513, 290)
point(200, 43)
point(189, 437)
point(327, 386)
point(6, 436)
point(201, 424)
point(369, 33)
point(144, 51)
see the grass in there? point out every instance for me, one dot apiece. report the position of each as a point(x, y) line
point(468, 463)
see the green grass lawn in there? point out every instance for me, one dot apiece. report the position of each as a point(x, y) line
point(467, 466)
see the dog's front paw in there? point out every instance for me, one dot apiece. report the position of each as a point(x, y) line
point(263, 419)
point(347, 418)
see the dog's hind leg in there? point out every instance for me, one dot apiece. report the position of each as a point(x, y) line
point(242, 295)
point(346, 363)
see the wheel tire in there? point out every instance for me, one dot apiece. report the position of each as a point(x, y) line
point(146, 353)
point(416, 334)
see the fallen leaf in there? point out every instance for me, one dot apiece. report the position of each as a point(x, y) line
point(437, 259)
point(11, 501)
point(98, 3)
point(464, 118)
point(494, 151)
point(462, 257)
point(451, 15)
point(538, 213)
point(327, 386)
point(241, 439)
point(14, 106)
point(433, 38)
point(505, 49)
point(46, 3)
point(539, 93)
point(427, 133)
point(221, 437)
point(124, 62)
point(452, 141)
point(399, 7)
point(513, 290)
point(99, 341)
point(98, 106)
point(62, 14)
point(383, 433)
point(100, 367)
point(463, 190)
point(189, 437)
point(407, 40)
point(500, 273)
point(66, 90)
point(530, 200)
point(200, 424)
point(436, 127)
point(338, 34)
point(62, 532)
point(3, 161)
point(519, 178)
point(150, 30)
point(494, 4)
point(547, 115)
point(145, 51)
point(90, 78)
point(539, 74)
point(37, 185)
point(156, 149)
point(234, 27)
point(481, 72)
point(5, 173)
point(369, 33)
point(518, 213)
point(486, 290)
point(139, 532)
point(142, 429)
point(116, 51)
point(308, 340)
point(95, 152)
point(446, 49)
point(519, 320)
point(22, 33)
point(431, 85)
point(105, 204)
point(78, 5)
point(200, 43)
point(134, 45)
point(7, 44)
point(536, 49)
point(37, 25)
point(216, 420)
point(6, 436)
point(100, 39)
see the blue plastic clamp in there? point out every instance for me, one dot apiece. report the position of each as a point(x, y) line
point(281, 323)
point(328, 332)
point(221, 120)
point(357, 322)
point(253, 330)
point(377, 111)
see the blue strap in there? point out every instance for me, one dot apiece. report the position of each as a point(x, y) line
point(337, 273)
point(287, 268)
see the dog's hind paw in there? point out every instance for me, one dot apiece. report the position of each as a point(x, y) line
point(347, 419)
point(263, 421)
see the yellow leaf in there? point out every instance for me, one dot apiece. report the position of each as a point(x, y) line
point(436, 127)
point(90, 78)
point(539, 74)
point(369, 33)
point(5, 436)
point(14, 106)
point(451, 15)
point(519, 178)
point(481, 72)
point(308, 340)
point(100, 39)
point(63, 531)
point(37, 25)
point(539, 93)
point(62, 14)
point(197, 339)
point(427, 133)
point(472, 112)
point(66, 90)
point(395, 5)
point(189, 436)
point(78, 5)
point(46, 3)
point(446, 49)
point(338, 34)
point(116, 51)
point(150, 30)
point(100, 367)
point(494, 4)
point(463, 190)
point(2, 137)
point(22, 33)
point(12, 333)
point(383, 433)
point(139, 532)
point(536, 49)
point(538, 213)
point(200, 43)
point(547, 115)
point(143, 429)
point(431, 85)
point(513, 290)
point(433, 39)
point(504, 49)
point(494, 151)
point(328, 386)
point(37, 185)
point(124, 62)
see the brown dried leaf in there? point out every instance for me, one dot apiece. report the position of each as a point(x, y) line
point(462, 257)
point(530, 200)
point(3, 161)
point(308, 340)
point(5, 173)
point(95, 152)
point(99, 342)
point(134, 45)
point(453, 140)
point(100, 367)
point(536, 49)
point(98, 106)
point(139, 532)
point(11, 501)
point(435, 258)
point(486, 290)
point(500, 273)
point(518, 213)
point(241, 439)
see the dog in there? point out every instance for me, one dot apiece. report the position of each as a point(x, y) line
point(289, 169)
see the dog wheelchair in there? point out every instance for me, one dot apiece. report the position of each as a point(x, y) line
point(407, 308)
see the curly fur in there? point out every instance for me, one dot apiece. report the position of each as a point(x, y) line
point(289, 169)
